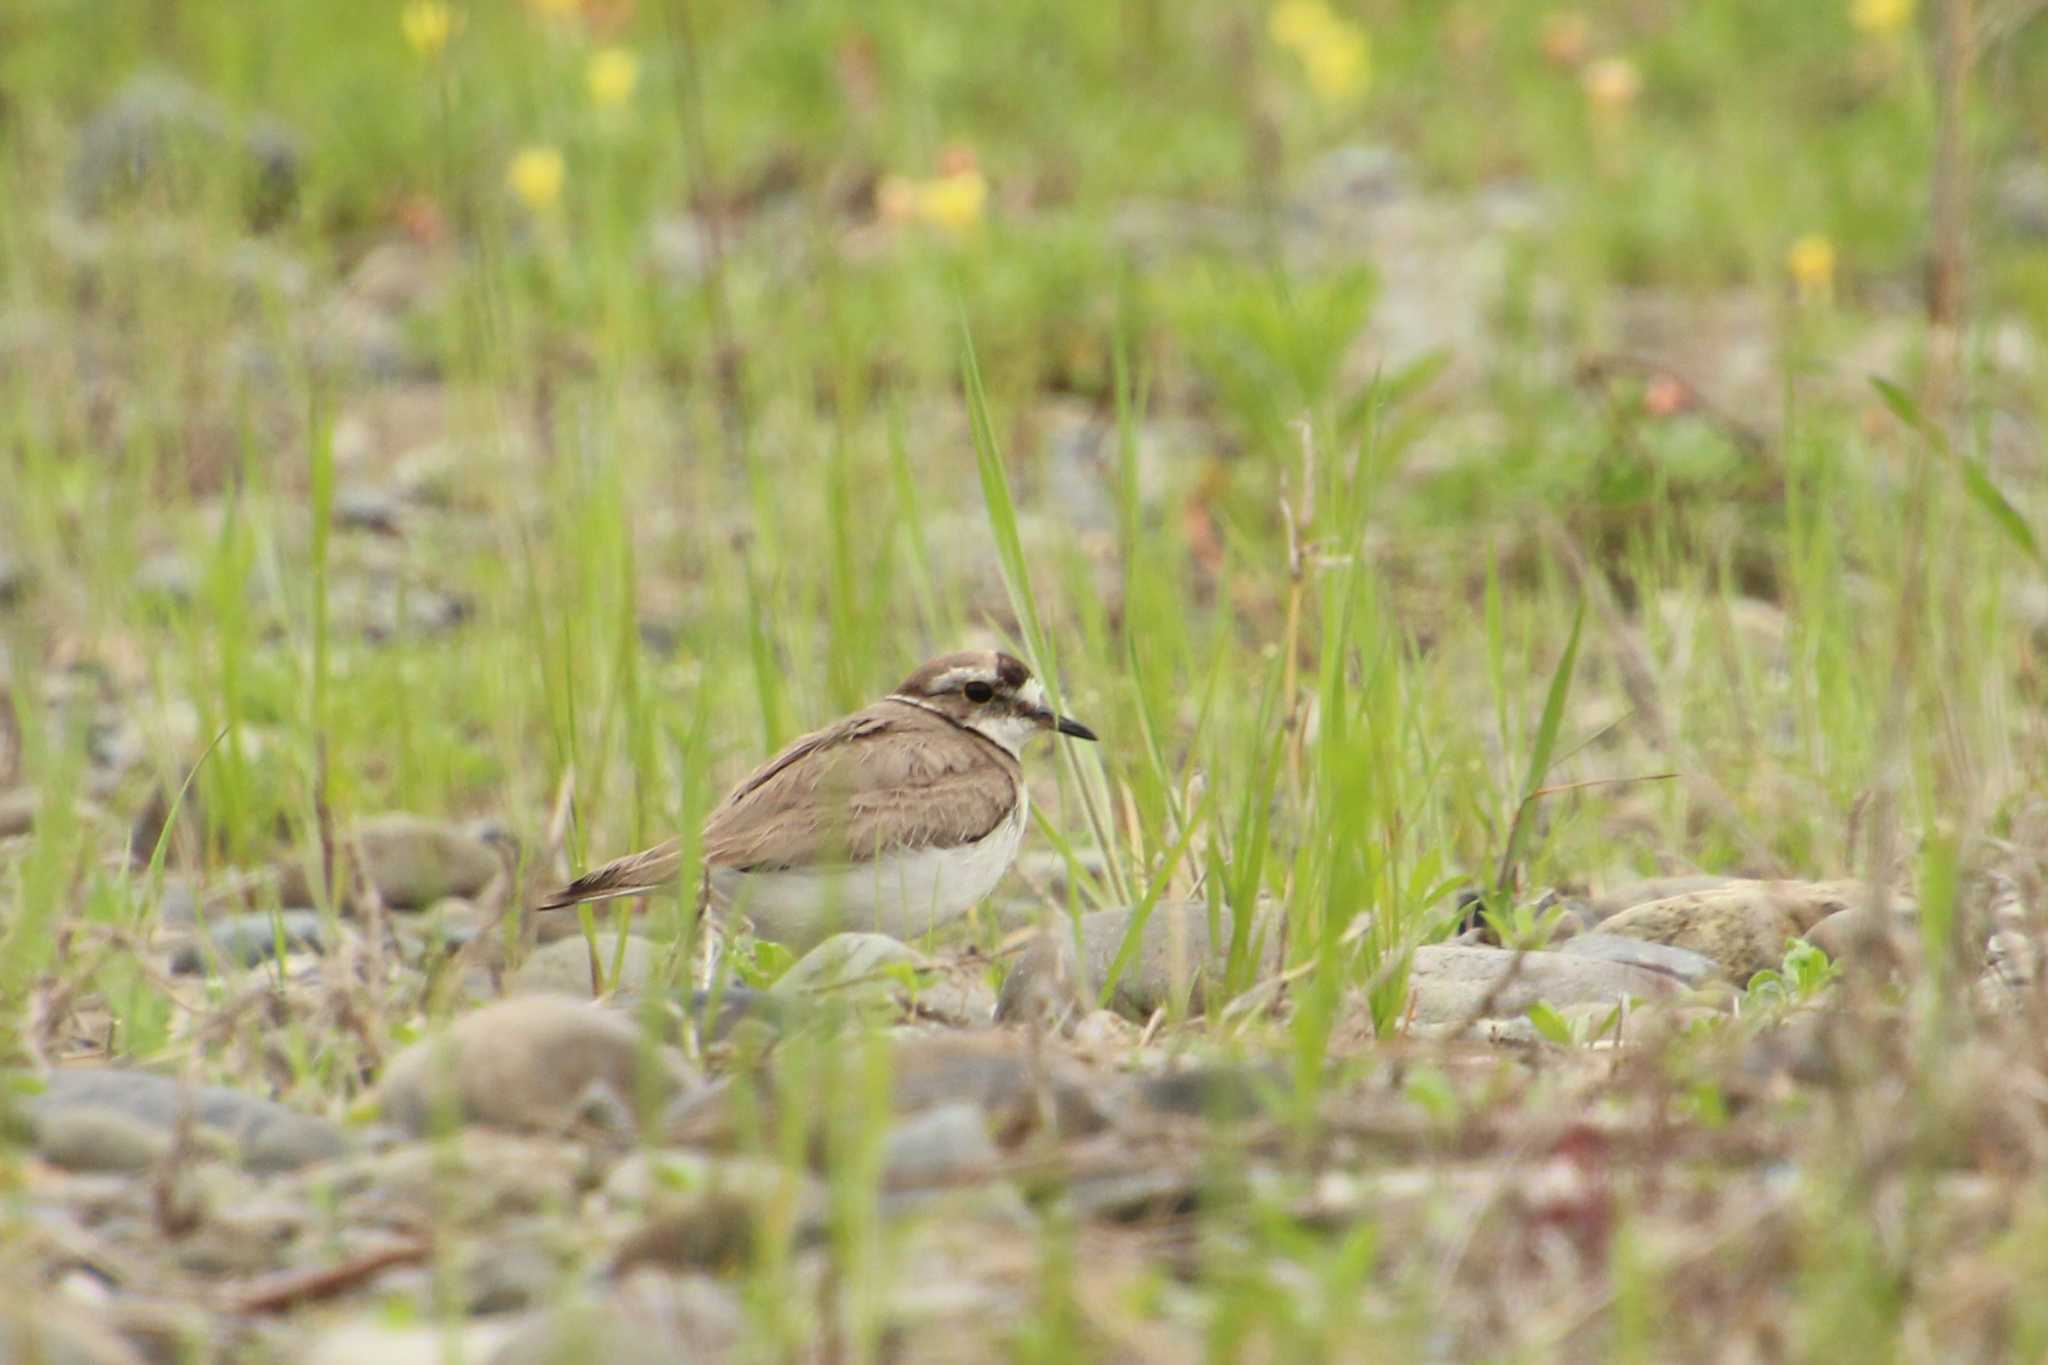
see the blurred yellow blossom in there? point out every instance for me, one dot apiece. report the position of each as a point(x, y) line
point(428, 25)
point(1883, 17)
point(1811, 263)
point(536, 176)
point(1334, 53)
point(956, 199)
point(1612, 83)
point(612, 75)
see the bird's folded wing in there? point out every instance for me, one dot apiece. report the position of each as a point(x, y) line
point(633, 875)
point(890, 777)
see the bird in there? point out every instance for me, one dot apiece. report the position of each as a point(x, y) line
point(898, 818)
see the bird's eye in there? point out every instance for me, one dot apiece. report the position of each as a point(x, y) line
point(978, 691)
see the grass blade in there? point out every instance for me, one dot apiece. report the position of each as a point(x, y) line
point(1544, 744)
point(1977, 481)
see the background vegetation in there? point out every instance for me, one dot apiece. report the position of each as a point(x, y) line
point(541, 411)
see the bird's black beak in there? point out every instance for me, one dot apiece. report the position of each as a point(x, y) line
point(1067, 725)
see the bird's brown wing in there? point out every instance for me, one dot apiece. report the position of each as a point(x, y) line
point(891, 776)
point(636, 874)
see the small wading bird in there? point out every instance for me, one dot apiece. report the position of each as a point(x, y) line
point(898, 818)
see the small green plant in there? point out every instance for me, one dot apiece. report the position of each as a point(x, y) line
point(1805, 972)
point(1555, 1028)
point(760, 963)
point(1527, 927)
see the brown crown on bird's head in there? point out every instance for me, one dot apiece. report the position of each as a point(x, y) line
point(989, 692)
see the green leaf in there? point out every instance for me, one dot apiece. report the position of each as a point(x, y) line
point(1553, 707)
point(1549, 1024)
point(1977, 481)
point(2000, 509)
point(1543, 747)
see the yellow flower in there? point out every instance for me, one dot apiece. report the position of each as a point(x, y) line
point(1335, 53)
point(1882, 17)
point(1811, 263)
point(1612, 83)
point(536, 176)
point(954, 202)
point(612, 74)
point(428, 25)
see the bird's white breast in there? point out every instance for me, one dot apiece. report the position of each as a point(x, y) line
point(903, 894)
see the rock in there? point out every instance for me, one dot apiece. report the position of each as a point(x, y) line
point(266, 1136)
point(1846, 936)
point(1174, 950)
point(1591, 1023)
point(244, 940)
point(563, 967)
point(649, 1319)
point(1217, 1091)
point(539, 1063)
point(875, 971)
point(375, 510)
point(1692, 969)
point(160, 140)
point(996, 1072)
point(412, 861)
point(1451, 986)
point(17, 811)
point(514, 1268)
point(1612, 902)
point(710, 1229)
point(374, 1338)
point(854, 968)
point(949, 1144)
point(100, 1140)
point(38, 1332)
point(479, 1177)
point(1743, 925)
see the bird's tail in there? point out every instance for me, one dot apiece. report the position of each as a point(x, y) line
point(636, 874)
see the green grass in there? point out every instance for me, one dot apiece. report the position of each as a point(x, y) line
point(699, 499)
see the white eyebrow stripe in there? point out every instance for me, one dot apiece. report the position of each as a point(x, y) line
point(960, 677)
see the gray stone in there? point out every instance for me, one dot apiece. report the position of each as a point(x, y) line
point(853, 968)
point(34, 1331)
point(89, 1139)
point(1743, 925)
point(1016, 1088)
point(1691, 968)
point(158, 141)
point(939, 1146)
point(412, 861)
point(541, 1063)
point(267, 1136)
point(1216, 1091)
point(244, 940)
point(477, 1177)
point(1617, 899)
point(1174, 957)
point(650, 1318)
point(1454, 985)
point(1851, 933)
point(564, 968)
point(374, 1338)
